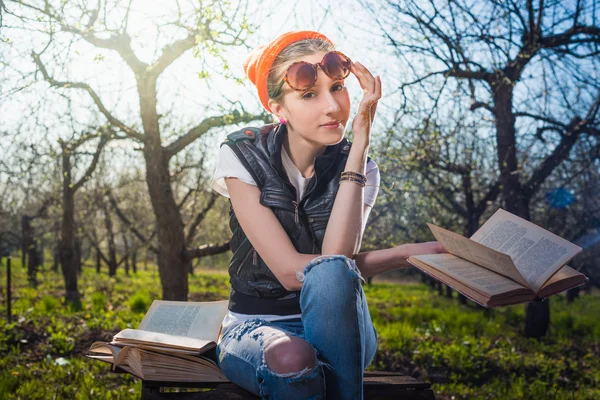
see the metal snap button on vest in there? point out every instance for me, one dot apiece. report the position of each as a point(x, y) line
point(248, 132)
point(346, 147)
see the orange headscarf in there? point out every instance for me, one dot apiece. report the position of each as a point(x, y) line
point(259, 62)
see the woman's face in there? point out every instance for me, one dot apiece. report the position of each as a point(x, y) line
point(310, 114)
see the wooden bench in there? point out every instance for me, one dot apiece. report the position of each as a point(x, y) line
point(377, 385)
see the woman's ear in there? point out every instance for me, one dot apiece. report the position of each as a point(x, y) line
point(277, 109)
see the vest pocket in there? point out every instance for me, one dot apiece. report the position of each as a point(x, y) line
point(277, 200)
point(249, 251)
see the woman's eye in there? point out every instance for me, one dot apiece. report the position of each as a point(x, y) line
point(335, 88)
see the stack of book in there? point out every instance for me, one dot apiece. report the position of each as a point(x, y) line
point(175, 342)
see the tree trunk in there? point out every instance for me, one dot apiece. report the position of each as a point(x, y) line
point(56, 248)
point(126, 245)
point(537, 314)
point(134, 260)
point(28, 256)
point(515, 200)
point(78, 254)
point(110, 236)
point(98, 261)
point(25, 238)
point(448, 292)
point(56, 257)
point(172, 266)
point(33, 262)
point(537, 318)
point(572, 294)
point(67, 245)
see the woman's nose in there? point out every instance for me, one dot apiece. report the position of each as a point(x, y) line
point(332, 105)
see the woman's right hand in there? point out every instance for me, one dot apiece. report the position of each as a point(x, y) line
point(363, 121)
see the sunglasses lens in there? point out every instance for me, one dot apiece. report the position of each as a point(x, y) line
point(336, 66)
point(301, 76)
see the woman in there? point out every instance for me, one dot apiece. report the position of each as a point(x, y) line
point(299, 326)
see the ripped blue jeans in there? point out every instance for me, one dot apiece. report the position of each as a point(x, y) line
point(335, 321)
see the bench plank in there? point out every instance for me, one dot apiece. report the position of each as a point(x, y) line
point(377, 385)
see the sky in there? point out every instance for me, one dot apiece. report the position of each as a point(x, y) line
point(184, 98)
point(182, 95)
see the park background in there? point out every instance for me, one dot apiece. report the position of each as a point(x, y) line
point(112, 114)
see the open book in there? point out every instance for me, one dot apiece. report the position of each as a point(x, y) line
point(175, 342)
point(507, 261)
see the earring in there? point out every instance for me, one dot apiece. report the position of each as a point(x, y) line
point(282, 121)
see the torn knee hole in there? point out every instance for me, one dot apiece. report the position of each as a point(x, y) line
point(290, 356)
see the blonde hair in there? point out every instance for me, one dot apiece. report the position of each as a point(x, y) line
point(287, 57)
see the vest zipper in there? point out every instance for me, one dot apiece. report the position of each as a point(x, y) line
point(280, 197)
point(295, 203)
point(254, 258)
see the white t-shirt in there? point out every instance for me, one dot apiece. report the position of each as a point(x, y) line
point(230, 166)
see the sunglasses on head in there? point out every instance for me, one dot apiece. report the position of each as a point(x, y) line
point(302, 75)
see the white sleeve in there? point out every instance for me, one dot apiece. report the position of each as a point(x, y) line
point(373, 178)
point(229, 166)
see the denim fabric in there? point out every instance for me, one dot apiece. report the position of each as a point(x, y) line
point(335, 321)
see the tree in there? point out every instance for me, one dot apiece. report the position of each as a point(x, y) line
point(210, 26)
point(530, 66)
point(30, 251)
point(69, 256)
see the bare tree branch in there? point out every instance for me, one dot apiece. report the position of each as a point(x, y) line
point(208, 250)
point(90, 170)
point(562, 150)
point(209, 123)
point(200, 217)
point(567, 37)
point(80, 85)
point(129, 224)
point(172, 52)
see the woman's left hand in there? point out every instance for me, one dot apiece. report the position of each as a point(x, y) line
point(416, 249)
point(361, 125)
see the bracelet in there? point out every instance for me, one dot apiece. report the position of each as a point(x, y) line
point(353, 179)
point(353, 174)
point(349, 179)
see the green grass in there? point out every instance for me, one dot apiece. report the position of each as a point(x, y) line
point(467, 355)
point(463, 353)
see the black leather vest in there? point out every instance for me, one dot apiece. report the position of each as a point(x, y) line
point(254, 288)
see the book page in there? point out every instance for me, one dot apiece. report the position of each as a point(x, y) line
point(138, 336)
point(480, 279)
point(200, 320)
point(477, 253)
point(564, 279)
point(536, 253)
point(105, 348)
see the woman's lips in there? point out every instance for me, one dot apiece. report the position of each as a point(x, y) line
point(330, 126)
